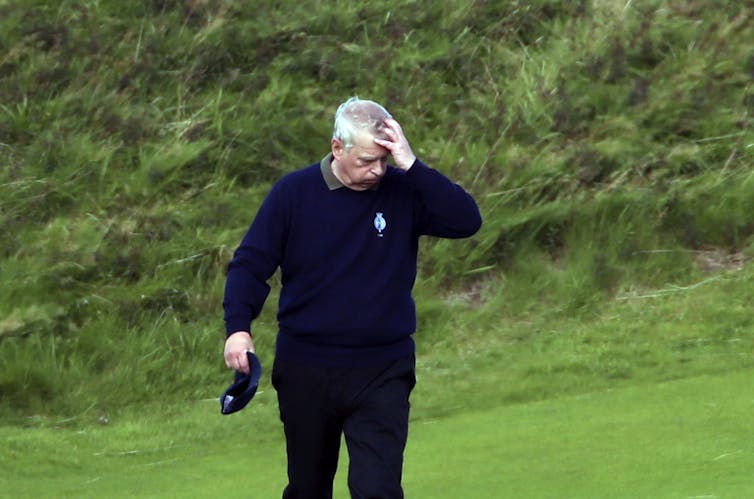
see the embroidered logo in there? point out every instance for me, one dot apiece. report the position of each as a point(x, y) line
point(379, 223)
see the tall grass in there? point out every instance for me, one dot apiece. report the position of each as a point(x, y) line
point(609, 145)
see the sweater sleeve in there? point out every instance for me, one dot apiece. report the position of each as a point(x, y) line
point(253, 263)
point(444, 209)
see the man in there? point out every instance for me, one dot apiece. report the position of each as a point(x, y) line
point(344, 233)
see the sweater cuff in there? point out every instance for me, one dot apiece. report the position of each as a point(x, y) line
point(236, 326)
point(415, 166)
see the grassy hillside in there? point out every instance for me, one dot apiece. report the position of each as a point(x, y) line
point(609, 145)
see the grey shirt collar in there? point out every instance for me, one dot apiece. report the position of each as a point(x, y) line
point(330, 179)
point(325, 166)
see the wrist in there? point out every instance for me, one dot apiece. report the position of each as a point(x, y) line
point(240, 336)
point(406, 166)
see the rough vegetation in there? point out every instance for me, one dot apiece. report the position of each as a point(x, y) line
point(609, 145)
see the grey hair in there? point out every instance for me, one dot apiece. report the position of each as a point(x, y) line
point(356, 116)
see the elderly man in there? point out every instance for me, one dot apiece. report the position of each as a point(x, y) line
point(344, 233)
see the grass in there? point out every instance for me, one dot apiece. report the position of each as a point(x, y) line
point(687, 438)
point(647, 397)
point(138, 140)
point(615, 403)
point(609, 145)
point(683, 438)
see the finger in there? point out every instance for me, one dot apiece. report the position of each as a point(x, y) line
point(393, 133)
point(243, 363)
point(235, 362)
point(387, 144)
point(393, 125)
point(393, 136)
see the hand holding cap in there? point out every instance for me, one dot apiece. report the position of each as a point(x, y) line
point(244, 386)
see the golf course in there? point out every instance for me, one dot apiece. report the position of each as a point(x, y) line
point(595, 339)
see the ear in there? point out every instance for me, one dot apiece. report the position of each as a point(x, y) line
point(336, 145)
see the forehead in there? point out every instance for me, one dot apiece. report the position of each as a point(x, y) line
point(363, 145)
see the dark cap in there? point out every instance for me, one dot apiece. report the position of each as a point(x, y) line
point(243, 388)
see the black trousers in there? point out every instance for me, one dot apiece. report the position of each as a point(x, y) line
point(369, 406)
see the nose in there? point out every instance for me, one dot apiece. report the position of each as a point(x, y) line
point(379, 167)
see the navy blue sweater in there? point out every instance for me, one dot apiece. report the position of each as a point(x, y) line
point(347, 260)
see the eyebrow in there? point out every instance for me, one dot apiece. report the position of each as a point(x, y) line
point(371, 157)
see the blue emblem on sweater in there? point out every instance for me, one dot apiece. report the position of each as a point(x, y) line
point(379, 223)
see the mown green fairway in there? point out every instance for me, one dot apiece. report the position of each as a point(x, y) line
point(687, 438)
point(690, 438)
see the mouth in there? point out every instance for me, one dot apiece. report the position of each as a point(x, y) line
point(367, 184)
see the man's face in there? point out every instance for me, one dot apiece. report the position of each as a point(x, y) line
point(362, 166)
